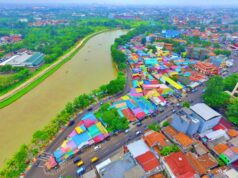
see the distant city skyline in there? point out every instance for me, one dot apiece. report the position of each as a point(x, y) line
point(133, 2)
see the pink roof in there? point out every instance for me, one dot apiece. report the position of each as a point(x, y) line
point(140, 115)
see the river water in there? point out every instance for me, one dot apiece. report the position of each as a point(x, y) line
point(90, 68)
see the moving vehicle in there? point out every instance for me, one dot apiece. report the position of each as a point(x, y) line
point(90, 109)
point(80, 163)
point(81, 170)
point(139, 124)
point(94, 159)
point(127, 130)
point(70, 123)
point(98, 147)
point(138, 133)
point(76, 160)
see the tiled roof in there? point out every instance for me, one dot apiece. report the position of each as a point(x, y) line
point(197, 165)
point(170, 131)
point(152, 138)
point(148, 161)
point(159, 175)
point(220, 148)
point(179, 165)
point(183, 139)
point(232, 132)
point(208, 161)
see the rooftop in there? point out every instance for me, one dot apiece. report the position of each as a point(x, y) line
point(170, 131)
point(183, 139)
point(220, 148)
point(138, 148)
point(204, 111)
point(117, 168)
point(153, 138)
point(148, 161)
point(179, 165)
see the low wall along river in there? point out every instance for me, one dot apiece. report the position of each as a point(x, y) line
point(91, 67)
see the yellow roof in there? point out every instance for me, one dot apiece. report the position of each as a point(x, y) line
point(138, 90)
point(101, 128)
point(173, 73)
point(79, 130)
point(173, 83)
point(152, 93)
point(125, 97)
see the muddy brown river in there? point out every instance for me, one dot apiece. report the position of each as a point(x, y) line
point(91, 67)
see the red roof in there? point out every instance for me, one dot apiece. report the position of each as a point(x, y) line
point(148, 161)
point(140, 115)
point(225, 123)
point(219, 126)
point(179, 165)
point(128, 114)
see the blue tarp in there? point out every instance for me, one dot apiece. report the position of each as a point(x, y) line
point(89, 116)
point(79, 139)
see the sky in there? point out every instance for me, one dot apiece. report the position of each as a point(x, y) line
point(136, 2)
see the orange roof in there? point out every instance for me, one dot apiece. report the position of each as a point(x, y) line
point(183, 139)
point(220, 148)
point(235, 149)
point(197, 165)
point(232, 132)
point(152, 138)
point(170, 131)
point(157, 176)
point(207, 161)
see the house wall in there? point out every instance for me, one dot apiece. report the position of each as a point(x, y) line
point(179, 124)
point(205, 125)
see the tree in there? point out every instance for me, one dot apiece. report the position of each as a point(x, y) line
point(230, 82)
point(232, 112)
point(154, 126)
point(214, 94)
point(143, 41)
point(216, 45)
point(169, 149)
point(165, 124)
point(186, 104)
point(224, 52)
point(111, 118)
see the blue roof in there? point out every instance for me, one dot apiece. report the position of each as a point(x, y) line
point(81, 138)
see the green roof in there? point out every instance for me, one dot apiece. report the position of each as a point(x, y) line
point(35, 59)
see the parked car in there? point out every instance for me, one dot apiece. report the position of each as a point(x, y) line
point(90, 109)
point(76, 160)
point(98, 147)
point(94, 159)
point(80, 163)
point(81, 170)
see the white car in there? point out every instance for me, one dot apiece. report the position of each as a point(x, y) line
point(138, 133)
point(127, 130)
point(98, 147)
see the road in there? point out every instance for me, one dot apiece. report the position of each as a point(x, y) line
point(108, 146)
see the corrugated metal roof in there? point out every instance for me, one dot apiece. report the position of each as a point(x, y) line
point(204, 111)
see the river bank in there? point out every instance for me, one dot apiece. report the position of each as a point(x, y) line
point(91, 67)
point(22, 89)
